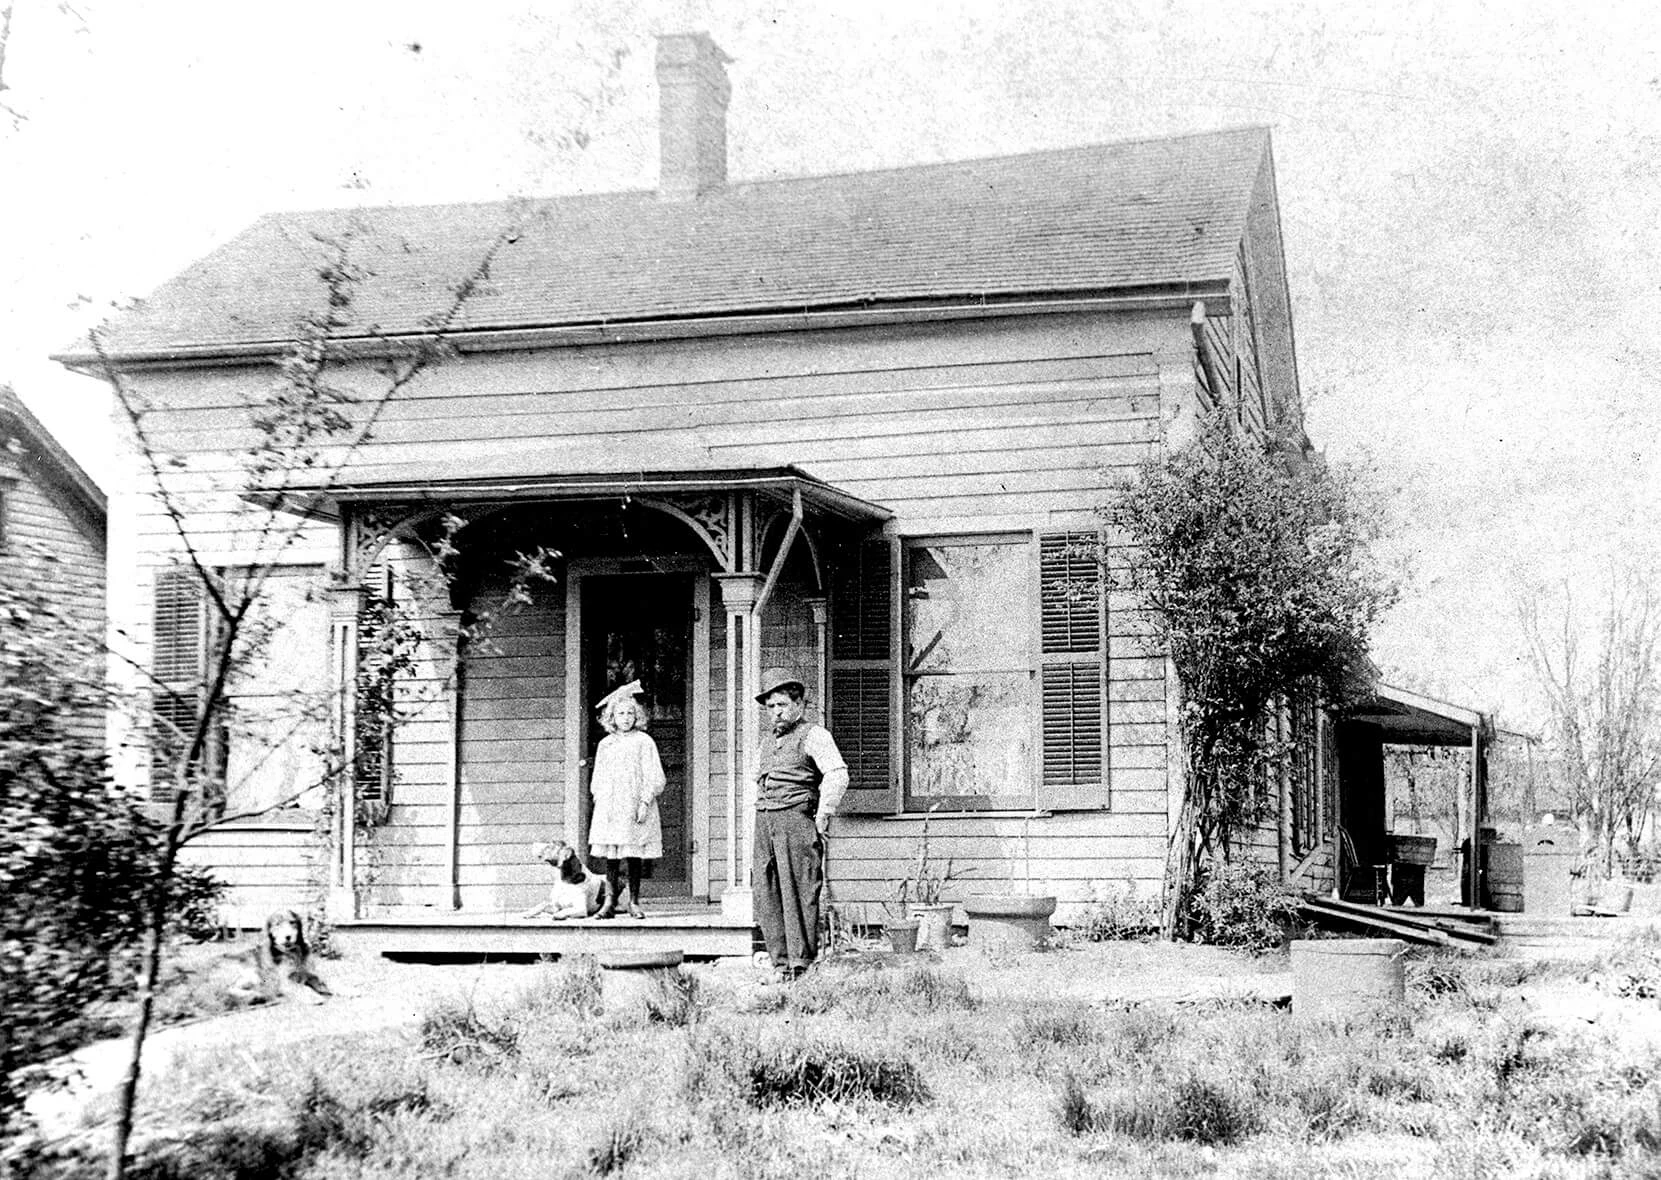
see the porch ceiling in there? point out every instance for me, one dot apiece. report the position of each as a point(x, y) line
point(1411, 719)
point(325, 497)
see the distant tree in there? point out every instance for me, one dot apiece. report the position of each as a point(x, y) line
point(1252, 565)
point(1605, 705)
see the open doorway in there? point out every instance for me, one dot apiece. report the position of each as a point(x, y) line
point(639, 627)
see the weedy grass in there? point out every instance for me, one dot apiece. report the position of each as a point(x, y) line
point(905, 1070)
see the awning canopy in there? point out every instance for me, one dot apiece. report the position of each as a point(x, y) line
point(1412, 719)
point(329, 499)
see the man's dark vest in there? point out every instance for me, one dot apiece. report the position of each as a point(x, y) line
point(788, 776)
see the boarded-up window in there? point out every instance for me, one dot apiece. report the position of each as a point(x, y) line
point(861, 673)
point(968, 673)
point(1073, 672)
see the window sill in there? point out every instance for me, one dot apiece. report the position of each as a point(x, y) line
point(299, 823)
point(986, 813)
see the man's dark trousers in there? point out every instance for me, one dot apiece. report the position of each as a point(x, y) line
point(788, 879)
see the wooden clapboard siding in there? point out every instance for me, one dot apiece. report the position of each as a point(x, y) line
point(34, 512)
point(1023, 424)
point(264, 867)
point(512, 763)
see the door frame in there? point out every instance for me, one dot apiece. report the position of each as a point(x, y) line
point(697, 720)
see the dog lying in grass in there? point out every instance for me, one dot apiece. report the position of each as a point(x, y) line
point(579, 893)
point(279, 962)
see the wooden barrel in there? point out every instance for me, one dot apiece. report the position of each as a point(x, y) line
point(1505, 876)
point(1414, 850)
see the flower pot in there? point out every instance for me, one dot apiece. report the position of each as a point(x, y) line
point(1003, 921)
point(934, 926)
point(902, 934)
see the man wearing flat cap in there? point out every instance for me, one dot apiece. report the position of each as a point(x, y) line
point(801, 781)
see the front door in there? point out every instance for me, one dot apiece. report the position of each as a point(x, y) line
point(639, 627)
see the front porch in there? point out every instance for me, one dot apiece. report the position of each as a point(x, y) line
point(697, 930)
point(688, 581)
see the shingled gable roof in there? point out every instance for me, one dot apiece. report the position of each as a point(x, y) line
point(45, 456)
point(1152, 215)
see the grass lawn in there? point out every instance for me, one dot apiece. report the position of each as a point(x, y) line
point(1060, 1064)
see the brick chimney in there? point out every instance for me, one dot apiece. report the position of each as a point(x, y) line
point(692, 115)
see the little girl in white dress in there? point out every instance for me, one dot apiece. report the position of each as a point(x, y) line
point(627, 780)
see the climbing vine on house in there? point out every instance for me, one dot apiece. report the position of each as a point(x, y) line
point(1255, 570)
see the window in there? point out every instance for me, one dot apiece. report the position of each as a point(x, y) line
point(263, 745)
point(1004, 678)
point(968, 674)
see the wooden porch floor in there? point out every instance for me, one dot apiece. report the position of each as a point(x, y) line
point(694, 929)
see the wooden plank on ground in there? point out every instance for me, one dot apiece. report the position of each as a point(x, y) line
point(1410, 932)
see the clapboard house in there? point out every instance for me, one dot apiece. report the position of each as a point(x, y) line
point(52, 524)
point(862, 424)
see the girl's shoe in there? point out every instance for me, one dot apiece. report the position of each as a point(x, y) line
point(635, 911)
point(609, 910)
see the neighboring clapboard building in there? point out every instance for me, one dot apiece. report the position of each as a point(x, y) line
point(859, 423)
point(52, 521)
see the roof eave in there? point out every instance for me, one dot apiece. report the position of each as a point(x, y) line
point(1152, 297)
point(72, 477)
point(326, 502)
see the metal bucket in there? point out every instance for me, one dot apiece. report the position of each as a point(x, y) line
point(1347, 978)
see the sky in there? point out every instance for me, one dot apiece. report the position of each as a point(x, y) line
point(1468, 190)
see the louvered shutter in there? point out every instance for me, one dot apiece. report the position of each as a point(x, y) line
point(861, 675)
point(177, 640)
point(373, 745)
point(1072, 671)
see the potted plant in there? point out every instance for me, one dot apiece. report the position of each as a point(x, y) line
point(919, 893)
point(899, 926)
point(1012, 920)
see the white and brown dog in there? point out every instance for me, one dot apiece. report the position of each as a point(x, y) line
point(578, 893)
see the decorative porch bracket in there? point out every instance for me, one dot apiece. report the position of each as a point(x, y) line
point(717, 518)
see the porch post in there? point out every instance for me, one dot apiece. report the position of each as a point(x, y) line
point(738, 596)
point(821, 655)
point(447, 626)
point(345, 608)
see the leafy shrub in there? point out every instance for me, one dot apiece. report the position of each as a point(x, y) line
point(1058, 1026)
point(1240, 905)
point(1186, 1107)
point(454, 1031)
point(792, 1069)
point(619, 1141)
point(1117, 915)
point(78, 856)
point(795, 1074)
point(576, 986)
point(678, 1000)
